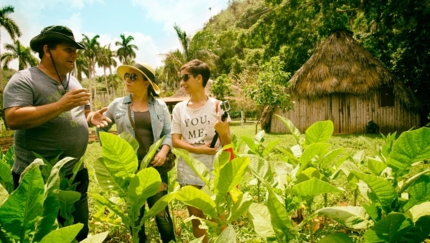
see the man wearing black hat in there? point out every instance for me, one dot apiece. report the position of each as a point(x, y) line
point(50, 111)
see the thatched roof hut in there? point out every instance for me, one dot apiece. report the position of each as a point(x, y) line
point(343, 82)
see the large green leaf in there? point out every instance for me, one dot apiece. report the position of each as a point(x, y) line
point(198, 167)
point(312, 188)
point(410, 147)
point(261, 167)
point(383, 189)
point(280, 219)
point(339, 237)
point(294, 131)
point(118, 155)
point(418, 211)
point(389, 229)
point(349, 216)
point(269, 147)
point(3, 195)
point(6, 178)
point(22, 209)
point(97, 238)
point(240, 206)
point(67, 201)
point(65, 234)
point(192, 196)
point(228, 235)
point(420, 232)
point(419, 192)
point(376, 166)
point(112, 206)
point(261, 221)
point(250, 145)
point(143, 185)
point(230, 175)
point(314, 150)
point(330, 158)
point(150, 154)
point(319, 132)
point(412, 180)
point(107, 181)
point(51, 203)
point(130, 139)
point(161, 203)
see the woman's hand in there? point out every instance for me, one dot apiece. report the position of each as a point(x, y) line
point(159, 159)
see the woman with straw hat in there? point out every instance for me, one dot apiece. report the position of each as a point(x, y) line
point(148, 119)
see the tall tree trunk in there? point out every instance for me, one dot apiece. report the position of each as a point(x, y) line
point(106, 82)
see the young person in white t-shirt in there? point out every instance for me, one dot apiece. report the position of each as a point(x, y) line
point(194, 122)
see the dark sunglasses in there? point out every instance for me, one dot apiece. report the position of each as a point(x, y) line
point(186, 76)
point(132, 76)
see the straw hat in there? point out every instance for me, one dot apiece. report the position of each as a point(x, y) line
point(54, 33)
point(142, 68)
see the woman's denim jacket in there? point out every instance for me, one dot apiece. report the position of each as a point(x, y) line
point(159, 113)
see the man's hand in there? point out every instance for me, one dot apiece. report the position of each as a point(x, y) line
point(74, 98)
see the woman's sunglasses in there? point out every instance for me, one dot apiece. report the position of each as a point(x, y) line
point(132, 76)
point(186, 76)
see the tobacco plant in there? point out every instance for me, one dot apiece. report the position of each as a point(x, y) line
point(117, 174)
point(396, 202)
point(220, 200)
point(305, 173)
point(29, 213)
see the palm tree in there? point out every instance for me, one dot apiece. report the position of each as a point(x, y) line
point(81, 66)
point(106, 60)
point(173, 60)
point(11, 27)
point(92, 47)
point(126, 52)
point(20, 52)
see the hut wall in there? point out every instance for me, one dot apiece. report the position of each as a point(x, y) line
point(349, 113)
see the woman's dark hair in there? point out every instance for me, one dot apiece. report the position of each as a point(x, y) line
point(150, 89)
point(197, 67)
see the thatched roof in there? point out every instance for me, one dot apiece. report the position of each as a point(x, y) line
point(342, 65)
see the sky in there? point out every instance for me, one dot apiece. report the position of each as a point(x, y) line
point(150, 22)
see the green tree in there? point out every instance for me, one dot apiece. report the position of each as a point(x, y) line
point(12, 29)
point(81, 66)
point(191, 49)
point(220, 88)
point(92, 47)
point(106, 60)
point(20, 52)
point(126, 51)
point(269, 92)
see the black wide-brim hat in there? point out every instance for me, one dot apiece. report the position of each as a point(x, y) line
point(54, 33)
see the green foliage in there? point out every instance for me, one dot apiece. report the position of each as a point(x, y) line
point(116, 173)
point(29, 213)
point(220, 88)
point(270, 87)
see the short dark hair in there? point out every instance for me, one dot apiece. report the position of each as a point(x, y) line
point(197, 67)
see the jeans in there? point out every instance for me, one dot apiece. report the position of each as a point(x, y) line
point(80, 214)
point(164, 222)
